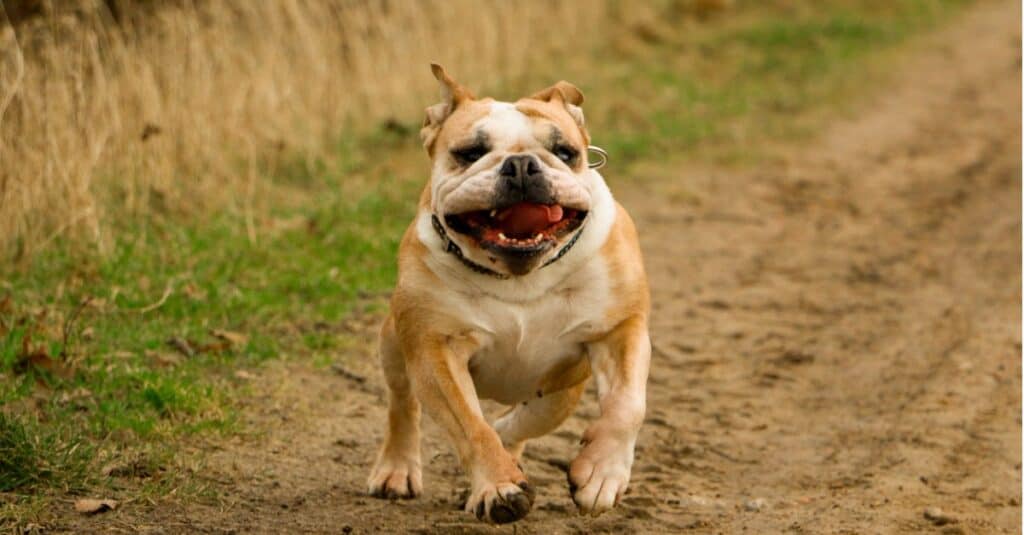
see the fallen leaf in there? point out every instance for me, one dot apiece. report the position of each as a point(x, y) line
point(38, 360)
point(244, 375)
point(91, 506)
point(30, 358)
point(235, 338)
point(214, 347)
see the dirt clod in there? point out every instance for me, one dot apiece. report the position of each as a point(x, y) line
point(938, 516)
point(91, 506)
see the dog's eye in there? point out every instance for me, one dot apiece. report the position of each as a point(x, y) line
point(468, 155)
point(565, 153)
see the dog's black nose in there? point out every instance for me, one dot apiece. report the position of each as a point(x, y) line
point(521, 179)
point(520, 166)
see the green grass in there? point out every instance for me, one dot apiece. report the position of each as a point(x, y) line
point(106, 386)
point(32, 454)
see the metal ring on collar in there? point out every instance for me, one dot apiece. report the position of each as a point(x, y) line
point(601, 153)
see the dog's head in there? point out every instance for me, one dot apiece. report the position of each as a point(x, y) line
point(510, 181)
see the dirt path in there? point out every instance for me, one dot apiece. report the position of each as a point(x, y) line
point(837, 342)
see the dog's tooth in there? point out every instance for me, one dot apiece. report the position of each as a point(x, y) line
point(538, 237)
point(494, 212)
point(502, 236)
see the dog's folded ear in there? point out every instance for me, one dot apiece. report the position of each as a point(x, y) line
point(452, 95)
point(562, 90)
point(569, 95)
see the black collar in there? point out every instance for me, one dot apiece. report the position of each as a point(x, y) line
point(452, 248)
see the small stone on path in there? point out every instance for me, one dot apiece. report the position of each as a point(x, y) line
point(755, 505)
point(938, 516)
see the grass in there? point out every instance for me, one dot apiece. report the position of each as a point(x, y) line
point(111, 360)
point(33, 454)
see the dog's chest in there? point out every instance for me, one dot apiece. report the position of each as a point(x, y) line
point(526, 342)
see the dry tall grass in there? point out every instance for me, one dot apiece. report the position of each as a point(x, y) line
point(175, 106)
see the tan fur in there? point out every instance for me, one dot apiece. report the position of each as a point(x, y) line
point(621, 251)
point(455, 124)
point(562, 90)
point(562, 99)
point(556, 112)
point(432, 337)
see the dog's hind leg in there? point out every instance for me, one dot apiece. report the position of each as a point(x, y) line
point(397, 472)
point(536, 417)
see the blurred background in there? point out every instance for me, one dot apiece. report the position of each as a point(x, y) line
point(201, 201)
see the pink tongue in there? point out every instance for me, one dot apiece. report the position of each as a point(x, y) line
point(524, 220)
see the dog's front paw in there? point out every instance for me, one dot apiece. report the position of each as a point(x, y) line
point(395, 478)
point(501, 503)
point(599, 475)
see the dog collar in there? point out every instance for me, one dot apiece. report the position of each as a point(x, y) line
point(452, 248)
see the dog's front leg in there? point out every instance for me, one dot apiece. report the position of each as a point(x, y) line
point(442, 381)
point(619, 363)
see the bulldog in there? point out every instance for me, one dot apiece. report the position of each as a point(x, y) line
point(519, 278)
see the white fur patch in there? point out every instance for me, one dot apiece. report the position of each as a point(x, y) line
point(507, 125)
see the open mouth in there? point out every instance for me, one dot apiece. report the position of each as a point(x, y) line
point(523, 228)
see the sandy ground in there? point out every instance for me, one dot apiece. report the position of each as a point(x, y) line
point(837, 345)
